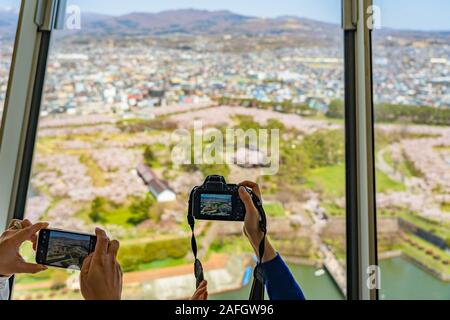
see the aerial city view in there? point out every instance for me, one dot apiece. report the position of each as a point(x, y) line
point(216, 205)
point(118, 88)
point(67, 250)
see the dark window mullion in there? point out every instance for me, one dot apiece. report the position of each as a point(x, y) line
point(351, 150)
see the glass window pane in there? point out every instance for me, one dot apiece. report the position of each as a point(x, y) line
point(119, 88)
point(8, 25)
point(412, 109)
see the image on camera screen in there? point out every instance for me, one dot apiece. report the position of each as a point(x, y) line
point(67, 249)
point(216, 205)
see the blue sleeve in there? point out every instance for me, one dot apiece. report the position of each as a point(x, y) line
point(280, 283)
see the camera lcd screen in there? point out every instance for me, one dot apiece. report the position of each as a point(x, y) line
point(67, 250)
point(216, 205)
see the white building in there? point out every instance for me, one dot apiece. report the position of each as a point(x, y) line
point(159, 189)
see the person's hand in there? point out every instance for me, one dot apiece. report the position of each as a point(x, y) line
point(101, 275)
point(202, 292)
point(251, 226)
point(18, 232)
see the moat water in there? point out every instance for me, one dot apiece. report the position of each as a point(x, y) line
point(400, 280)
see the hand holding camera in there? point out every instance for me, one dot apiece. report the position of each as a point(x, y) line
point(252, 228)
point(101, 275)
point(217, 200)
point(11, 261)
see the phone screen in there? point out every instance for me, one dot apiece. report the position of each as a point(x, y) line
point(65, 249)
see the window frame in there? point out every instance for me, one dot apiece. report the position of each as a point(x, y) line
point(360, 149)
point(21, 117)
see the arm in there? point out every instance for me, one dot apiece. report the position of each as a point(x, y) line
point(280, 283)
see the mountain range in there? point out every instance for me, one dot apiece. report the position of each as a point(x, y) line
point(196, 22)
point(186, 21)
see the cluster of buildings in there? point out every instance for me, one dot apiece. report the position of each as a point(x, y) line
point(415, 74)
point(120, 79)
point(105, 77)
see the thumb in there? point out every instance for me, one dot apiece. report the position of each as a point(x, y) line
point(28, 233)
point(30, 268)
point(246, 199)
point(251, 213)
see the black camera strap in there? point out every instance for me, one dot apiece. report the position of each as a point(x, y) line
point(198, 268)
point(258, 287)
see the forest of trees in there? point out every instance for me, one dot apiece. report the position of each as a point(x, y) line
point(284, 107)
point(392, 113)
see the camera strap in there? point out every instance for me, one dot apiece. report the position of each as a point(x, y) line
point(198, 268)
point(258, 286)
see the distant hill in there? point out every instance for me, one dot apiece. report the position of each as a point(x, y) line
point(186, 21)
point(8, 22)
point(200, 22)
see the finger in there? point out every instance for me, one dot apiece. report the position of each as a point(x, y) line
point(101, 247)
point(12, 223)
point(199, 293)
point(25, 267)
point(254, 186)
point(119, 269)
point(28, 233)
point(26, 223)
point(200, 290)
point(86, 264)
point(203, 284)
point(113, 248)
point(34, 241)
point(251, 222)
point(247, 200)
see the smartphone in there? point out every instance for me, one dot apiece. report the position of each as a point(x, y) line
point(63, 249)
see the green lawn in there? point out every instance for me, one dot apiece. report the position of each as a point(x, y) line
point(385, 184)
point(93, 171)
point(442, 148)
point(403, 167)
point(274, 209)
point(230, 245)
point(166, 263)
point(116, 215)
point(333, 210)
point(331, 180)
point(421, 255)
point(435, 227)
point(445, 207)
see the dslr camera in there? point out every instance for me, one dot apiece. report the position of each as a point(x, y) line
point(217, 200)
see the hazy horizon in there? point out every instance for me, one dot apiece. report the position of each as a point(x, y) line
point(394, 14)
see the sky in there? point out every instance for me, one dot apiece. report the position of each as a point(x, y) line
point(399, 14)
